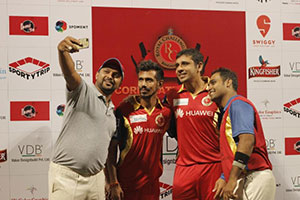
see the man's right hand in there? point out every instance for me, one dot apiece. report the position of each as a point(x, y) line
point(116, 192)
point(68, 45)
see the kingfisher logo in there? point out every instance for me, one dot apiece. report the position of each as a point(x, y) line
point(288, 108)
point(291, 31)
point(263, 70)
point(3, 155)
point(27, 25)
point(61, 26)
point(29, 68)
point(292, 146)
point(263, 23)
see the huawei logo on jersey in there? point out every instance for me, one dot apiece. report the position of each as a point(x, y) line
point(179, 113)
point(138, 130)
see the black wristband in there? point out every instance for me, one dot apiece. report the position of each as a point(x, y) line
point(241, 158)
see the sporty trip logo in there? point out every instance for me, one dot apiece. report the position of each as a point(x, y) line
point(288, 108)
point(291, 31)
point(29, 68)
point(263, 70)
point(28, 25)
point(263, 23)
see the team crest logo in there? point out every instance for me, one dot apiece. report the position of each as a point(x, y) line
point(28, 111)
point(27, 26)
point(206, 101)
point(160, 120)
point(166, 48)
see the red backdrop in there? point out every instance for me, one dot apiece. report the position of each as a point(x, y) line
point(117, 32)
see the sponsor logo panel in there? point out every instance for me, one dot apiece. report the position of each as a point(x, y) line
point(26, 25)
point(29, 110)
point(29, 68)
point(31, 153)
point(291, 31)
point(292, 146)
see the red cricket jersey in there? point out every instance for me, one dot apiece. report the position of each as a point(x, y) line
point(196, 134)
point(140, 138)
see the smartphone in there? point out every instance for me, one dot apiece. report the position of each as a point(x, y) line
point(84, 43)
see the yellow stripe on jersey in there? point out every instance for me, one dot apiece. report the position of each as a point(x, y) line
point(128, 141)
point(228, 132)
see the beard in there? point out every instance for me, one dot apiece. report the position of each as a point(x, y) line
point(107, 90)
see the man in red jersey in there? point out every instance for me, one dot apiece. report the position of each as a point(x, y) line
point(141, 126)
point(198, 166)
point(245, 162)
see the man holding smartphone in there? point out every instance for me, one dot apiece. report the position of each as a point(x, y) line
point(76, 169)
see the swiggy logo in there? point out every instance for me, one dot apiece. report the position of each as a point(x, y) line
point(263, 23)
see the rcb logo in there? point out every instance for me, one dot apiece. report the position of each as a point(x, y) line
point(166, 48)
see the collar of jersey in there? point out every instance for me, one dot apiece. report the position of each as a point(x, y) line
point(137, 105)
point(204, 78)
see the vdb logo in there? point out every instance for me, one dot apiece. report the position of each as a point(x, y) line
point(29, 111)
point(291, 31)
point(26, 25)
point(263, 70)
point(29, 68)
point(288, 108)
point(3, 155)
point(30, 150)
point(292, 146)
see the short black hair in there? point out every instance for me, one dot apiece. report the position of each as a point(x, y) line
point(225, 74)
point(197, 57)
point(147, 65)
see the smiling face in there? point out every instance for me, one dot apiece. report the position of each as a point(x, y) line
point(217, 87)
point(108, 80)
point(186, 69)
point(148, 83)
